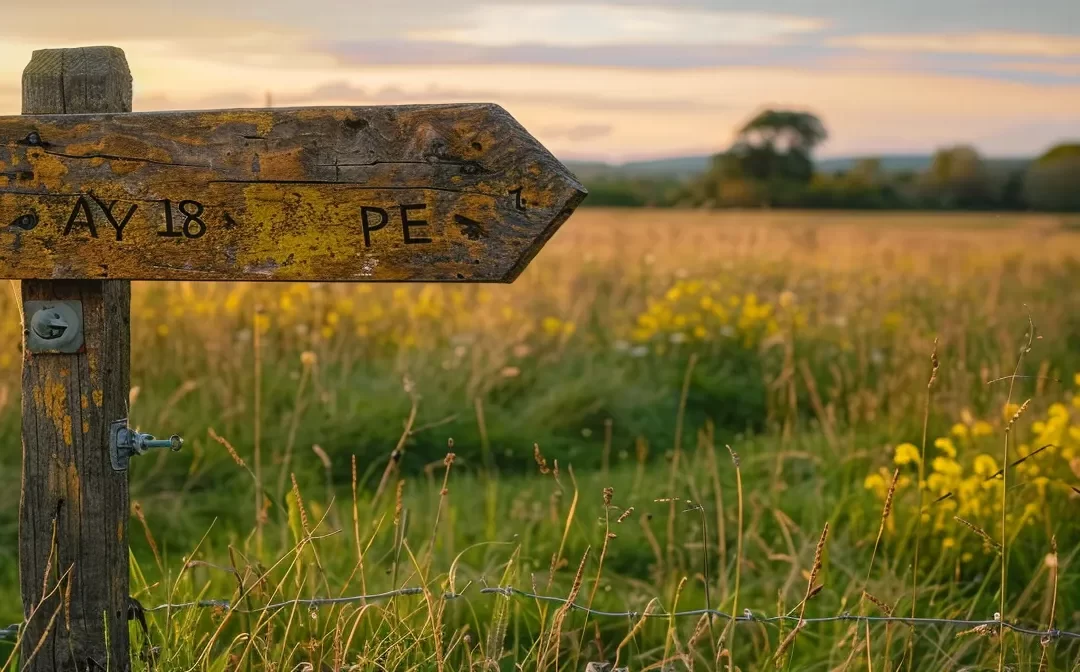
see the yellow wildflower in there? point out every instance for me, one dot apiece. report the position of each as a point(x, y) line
point(982, 428)
point(985, 465)
point(946, 446)
point(876, 482)
point(946, 466)
point(906, 453)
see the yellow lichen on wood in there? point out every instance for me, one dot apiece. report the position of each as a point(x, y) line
point(280, 195)
point(98, 397)
point(55, 407)
point(74, 490)
point(49, 171)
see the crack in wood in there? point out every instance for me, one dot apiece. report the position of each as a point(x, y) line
point(115, 157)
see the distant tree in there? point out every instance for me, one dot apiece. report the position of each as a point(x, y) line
point(784, 131)
point(777, 145)
point(770, 162)
point(957, 178)
point(1053, 180)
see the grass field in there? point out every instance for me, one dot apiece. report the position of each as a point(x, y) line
point(845, 359)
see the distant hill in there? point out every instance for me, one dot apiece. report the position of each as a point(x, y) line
point(894, 163)
point(916, 163)
point(680, 167)
point(684, 167)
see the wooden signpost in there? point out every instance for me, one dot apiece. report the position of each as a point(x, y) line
point(92, 196)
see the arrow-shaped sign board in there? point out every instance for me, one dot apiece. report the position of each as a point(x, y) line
point(413, 193)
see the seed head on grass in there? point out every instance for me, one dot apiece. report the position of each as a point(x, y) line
point(879, 603)
point(228, 446)
point(300, 505)
point(988, 541)
point(560, 615)
point(540, 461)
point(734, 456)
point(1016, 416)
point(934, 365)
point(399, 500)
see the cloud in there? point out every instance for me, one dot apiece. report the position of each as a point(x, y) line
point(658, 56)
point(608, 24)
point(987, 43)
point(1069, 70)
point(345, 92)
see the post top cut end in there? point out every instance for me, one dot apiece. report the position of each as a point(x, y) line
point(85, 80)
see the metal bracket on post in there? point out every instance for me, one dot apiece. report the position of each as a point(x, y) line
point(125, 443)
point(53, 326)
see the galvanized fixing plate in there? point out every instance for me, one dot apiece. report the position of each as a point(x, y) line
point(53, 326)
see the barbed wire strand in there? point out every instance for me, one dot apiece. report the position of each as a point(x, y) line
point(748, 616)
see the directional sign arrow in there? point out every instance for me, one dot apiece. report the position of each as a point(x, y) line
point(413, 193)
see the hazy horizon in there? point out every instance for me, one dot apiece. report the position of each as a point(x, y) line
point(614, 80)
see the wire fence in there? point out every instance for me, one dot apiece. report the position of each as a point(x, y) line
point(985, 626)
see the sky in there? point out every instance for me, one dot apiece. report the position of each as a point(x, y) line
point(611, 80)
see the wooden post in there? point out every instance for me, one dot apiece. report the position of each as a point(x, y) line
point(73, 532)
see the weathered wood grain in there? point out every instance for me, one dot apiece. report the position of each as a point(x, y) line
point(74, 507)
point(411, 193)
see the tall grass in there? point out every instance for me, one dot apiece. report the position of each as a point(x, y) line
point(332, 408)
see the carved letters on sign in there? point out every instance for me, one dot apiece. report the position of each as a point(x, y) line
point(413, 193)
point(188, 219)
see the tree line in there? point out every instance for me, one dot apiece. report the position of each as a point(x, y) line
point(771, 164)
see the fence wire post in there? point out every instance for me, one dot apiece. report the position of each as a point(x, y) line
point(73, 531)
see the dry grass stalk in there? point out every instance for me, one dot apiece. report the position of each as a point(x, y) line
point(399, 449)
point(672, 632)
point(1052, 565)
point(49, 562)
point(635, 630)
point(812, 589)
point(560, 617)
point(787, 643)
point(935, 364)
point(676, 457)
point(356, 529)
point(1004, 547)
point(448, 462)
point(654, 544)
point(738, 559)
point(989, 541)
point(566, 531)
point(886, 510)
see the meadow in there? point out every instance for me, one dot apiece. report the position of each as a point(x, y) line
point(763, 413)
